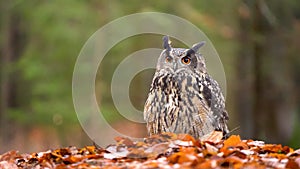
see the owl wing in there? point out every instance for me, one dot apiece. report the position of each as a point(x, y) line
point(150, 102)
point(215, 100)
point(202, 120)
point(148, 115)
point(152, 105)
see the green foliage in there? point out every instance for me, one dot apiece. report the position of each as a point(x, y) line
point(55, 32)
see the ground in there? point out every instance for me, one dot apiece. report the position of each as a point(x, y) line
point(166, 150)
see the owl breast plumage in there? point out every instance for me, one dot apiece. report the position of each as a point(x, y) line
point(183, 97)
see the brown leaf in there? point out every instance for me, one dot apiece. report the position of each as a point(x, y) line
point(274, 148)
point(8, 156)
point(215, 136)
point(125, 141)
point(186, 137)
point(210, 149)
point(239, 154)
point(8, 165)
point(137, 154)
point(166, 150)
point(292, 164)
point(116, 152)
point(232, 161)
point(157, 149)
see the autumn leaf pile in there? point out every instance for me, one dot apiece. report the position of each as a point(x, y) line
point(167, 150)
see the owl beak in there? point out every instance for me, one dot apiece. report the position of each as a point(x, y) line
point(175, 66)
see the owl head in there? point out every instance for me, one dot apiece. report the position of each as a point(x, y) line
point(180, 59)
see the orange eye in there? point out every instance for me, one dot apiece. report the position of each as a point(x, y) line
point(168, 59)
point(186, 60)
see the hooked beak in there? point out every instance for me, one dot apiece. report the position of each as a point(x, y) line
point(175, 66)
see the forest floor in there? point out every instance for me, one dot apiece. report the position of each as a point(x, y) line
point(166, 150)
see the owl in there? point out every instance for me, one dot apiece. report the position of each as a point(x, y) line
point(183, 97)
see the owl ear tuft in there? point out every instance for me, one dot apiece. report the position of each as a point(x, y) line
point(167, 43)
point(197, 46)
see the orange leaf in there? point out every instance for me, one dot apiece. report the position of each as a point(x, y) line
point(272, 148)
point(205, 164)
point(72, 159)
point(91, 149)
point(186, 137)
point(233, 141)
point(182, 157)
point(278, 156)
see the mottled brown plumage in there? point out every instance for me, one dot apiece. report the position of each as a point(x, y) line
point(183, 97)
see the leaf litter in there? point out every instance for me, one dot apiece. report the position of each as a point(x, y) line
point(167, 150)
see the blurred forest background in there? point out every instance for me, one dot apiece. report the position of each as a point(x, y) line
point(258, 42)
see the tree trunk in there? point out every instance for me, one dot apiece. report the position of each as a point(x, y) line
point(244, 96)
point(10, 52)
point(271, 116)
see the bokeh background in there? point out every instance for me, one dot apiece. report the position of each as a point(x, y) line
point(258, 42)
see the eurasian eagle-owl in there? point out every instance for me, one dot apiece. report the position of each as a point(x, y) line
point(183, 97)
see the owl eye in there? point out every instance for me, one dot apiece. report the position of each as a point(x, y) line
point(168, 59)
point(186, 60)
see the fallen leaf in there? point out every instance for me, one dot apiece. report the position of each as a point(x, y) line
point(215, 136)
point(233, 142)
point(292, 164)
point(166, 150)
